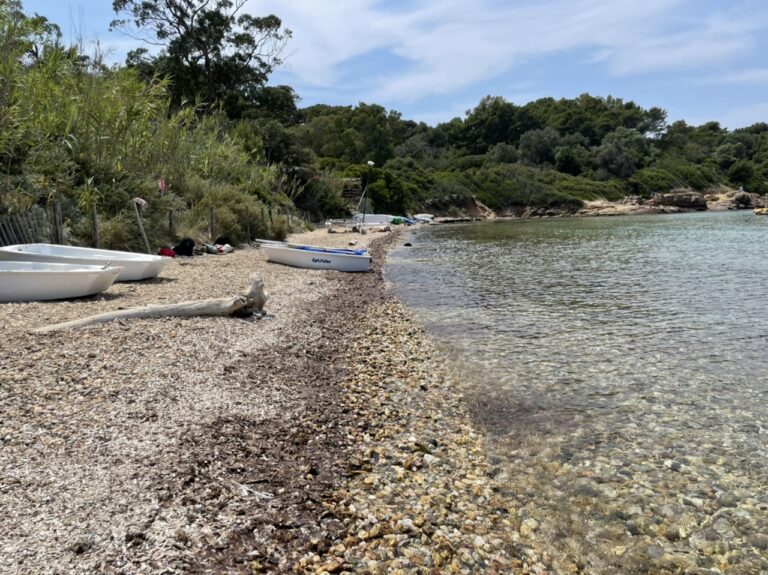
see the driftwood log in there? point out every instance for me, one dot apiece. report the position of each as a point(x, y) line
point(243, 305)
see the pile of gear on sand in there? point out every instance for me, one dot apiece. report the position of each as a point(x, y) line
point(187, 247)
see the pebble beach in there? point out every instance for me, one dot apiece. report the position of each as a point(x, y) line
point(327, 437)
point(333, 435)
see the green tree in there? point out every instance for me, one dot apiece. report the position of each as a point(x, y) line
point(280, 144)
point(417, 147)
point(572, 154)
point(620, 154)
point(274, 102)
point(503, 153)
point(728, 154)
point(208, 47)
point(488, 124)
point(388, 194)
point(448, 134)
point(15, 31)
point(371, 122)
point(353, 134)
point(537, 147)
point(742, 173)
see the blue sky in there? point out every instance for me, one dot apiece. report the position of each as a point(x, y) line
point(432, 60)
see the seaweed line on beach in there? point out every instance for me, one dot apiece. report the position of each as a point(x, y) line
point(327, 439)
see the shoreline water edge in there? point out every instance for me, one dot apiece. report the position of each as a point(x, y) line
point(326, 438)
point(684, 200)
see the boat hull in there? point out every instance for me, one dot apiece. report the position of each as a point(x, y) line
point(30, 281)
point(353, 251)
point(135, 266)
point(317, 259)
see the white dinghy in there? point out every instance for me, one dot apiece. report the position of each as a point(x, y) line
point(34, 281)
point(135, 266)
point(355, 251)
point(317, 258)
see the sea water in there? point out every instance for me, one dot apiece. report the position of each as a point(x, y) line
point(620, 368)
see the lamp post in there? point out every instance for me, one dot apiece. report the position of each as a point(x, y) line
point(367, 183)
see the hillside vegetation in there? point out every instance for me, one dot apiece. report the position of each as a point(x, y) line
point(200, 116)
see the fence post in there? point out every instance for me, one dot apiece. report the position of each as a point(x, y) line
point(20, 225)
point(40, 225)
point(24, 228)
point(4, 235)
point(95, 221)
point(13, 222)
point(141, 225)
point(171, 223)
point(58, 223)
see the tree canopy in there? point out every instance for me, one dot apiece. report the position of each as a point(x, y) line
point(211, 49)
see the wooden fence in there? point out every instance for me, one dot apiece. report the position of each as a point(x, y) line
point(32, 226)
point(44, 225)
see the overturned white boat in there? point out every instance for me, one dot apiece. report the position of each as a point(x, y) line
point(318, 258)
point(373, 219)
point(353, 225)
point(35, 281)
point(135, 266)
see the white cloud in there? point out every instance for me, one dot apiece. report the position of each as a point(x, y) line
point(452, 45)
point(703, 45)
point(756, 76)
point(327, 34)
point(743, 116)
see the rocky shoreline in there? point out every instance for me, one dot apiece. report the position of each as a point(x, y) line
point(673, 202)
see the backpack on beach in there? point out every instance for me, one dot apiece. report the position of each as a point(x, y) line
point(186, 247)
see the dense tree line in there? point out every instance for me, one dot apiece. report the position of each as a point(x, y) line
point(553, 153)
point(197, 112)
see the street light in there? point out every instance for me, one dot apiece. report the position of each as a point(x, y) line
point(367, 183)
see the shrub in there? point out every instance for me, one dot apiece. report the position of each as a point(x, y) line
point(235, 212)
point(648, 181)
point(118, 233)
point(689, 175)
point(741, 173)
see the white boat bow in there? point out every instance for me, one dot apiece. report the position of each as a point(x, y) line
point(135, 266)
point(35, 281)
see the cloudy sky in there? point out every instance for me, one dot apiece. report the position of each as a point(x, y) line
point(433, 60)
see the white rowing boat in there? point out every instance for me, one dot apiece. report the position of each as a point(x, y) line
point(318, 258)
point(353, 225)
point(33, 281)
point(356, 251)
point(135, 266)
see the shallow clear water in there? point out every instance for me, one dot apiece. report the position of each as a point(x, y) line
point(621, 367)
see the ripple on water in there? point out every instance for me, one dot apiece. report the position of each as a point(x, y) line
point(621, 368)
